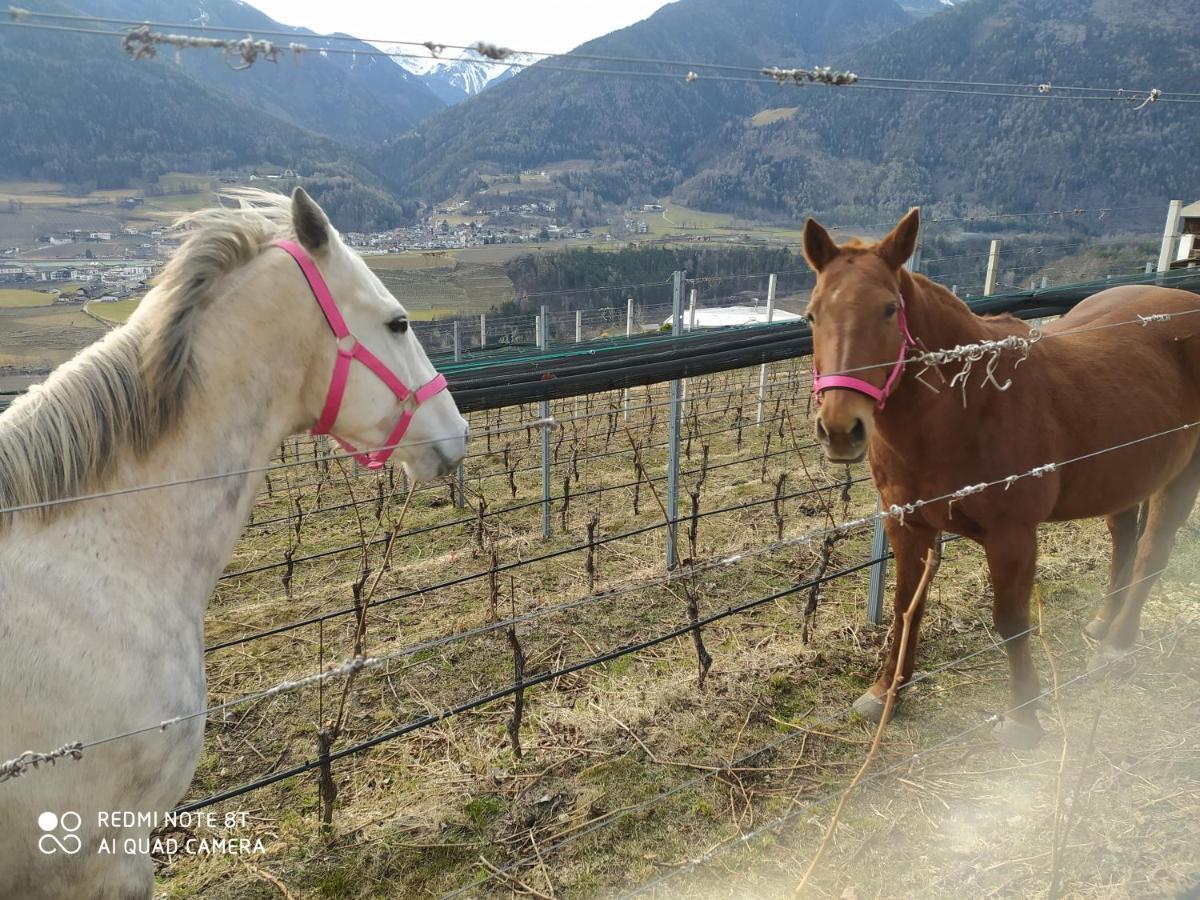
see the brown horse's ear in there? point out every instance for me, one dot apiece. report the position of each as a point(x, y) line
point(819, 248)
point(309, 221)
point(898, 246)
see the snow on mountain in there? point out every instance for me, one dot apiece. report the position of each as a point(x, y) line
point(455, 78)
point(925, 7)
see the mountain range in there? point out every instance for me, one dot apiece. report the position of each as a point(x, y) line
point(642, 134)
point(455, 78)
point(783, 151)
point(380, 138)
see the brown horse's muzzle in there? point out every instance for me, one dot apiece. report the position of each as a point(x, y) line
point(844, 423)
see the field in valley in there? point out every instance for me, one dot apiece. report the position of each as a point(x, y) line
point(45, 336)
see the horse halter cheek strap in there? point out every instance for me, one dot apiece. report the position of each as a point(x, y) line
point(822, 383)
point(349, 348)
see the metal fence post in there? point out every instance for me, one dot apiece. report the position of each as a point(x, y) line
point(460, 475)
point(543, 343)
point(578, 340)
point(878, 584)
point(628, 333)
point(691, 327)
point(879, 542)
point(673, 426)
point(1170, 233)
point(989, 283)
point(762, 370)
point(483, 329)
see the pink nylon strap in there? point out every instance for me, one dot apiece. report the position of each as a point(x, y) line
point(822, 383)
point(349, 349)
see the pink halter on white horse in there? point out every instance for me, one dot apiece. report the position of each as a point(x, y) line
point(374, 459)
point(103, 599)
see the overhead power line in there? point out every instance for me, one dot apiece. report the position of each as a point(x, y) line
point(140, 41)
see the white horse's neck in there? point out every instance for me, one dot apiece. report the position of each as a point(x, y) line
point(245, 400)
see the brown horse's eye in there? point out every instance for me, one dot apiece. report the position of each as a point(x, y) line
point(812, 320)
point(889, 310)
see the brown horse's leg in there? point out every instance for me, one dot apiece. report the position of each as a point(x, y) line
point(1123, 527)
point(910, 544)
point(1169, 509)
point(1012, 561)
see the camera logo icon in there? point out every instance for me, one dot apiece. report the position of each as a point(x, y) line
point(59, 833)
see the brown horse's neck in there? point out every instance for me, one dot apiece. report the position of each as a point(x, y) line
point(937, 320)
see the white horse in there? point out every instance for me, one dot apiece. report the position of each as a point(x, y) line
point(102, 600)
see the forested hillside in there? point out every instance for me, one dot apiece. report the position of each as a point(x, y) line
point(854, 151)
point(641, 136)
point(80, 112)
point(587, 278)
point(354, 99)
point(782, 152)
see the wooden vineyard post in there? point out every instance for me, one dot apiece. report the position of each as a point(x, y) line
point(1170, 233)
point(993, 263)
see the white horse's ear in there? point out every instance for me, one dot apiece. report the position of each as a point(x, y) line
point(819, 248)
point(309, 221)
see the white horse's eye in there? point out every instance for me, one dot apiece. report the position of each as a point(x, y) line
point(398, 325)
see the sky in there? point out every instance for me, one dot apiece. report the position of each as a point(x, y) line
point(552, 26)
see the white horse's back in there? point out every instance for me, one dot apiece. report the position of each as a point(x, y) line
point(102, 600)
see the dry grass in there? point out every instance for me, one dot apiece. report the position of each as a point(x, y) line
point(11, 298)
point(117, 311)
point(39, 336)
point(629, 770)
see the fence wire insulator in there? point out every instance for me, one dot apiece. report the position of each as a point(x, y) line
point(30, 759)
point(1154, 317)
point(492, 51)
point(140, 42)
point(692, 77)
point(1045, 88)
point(18, 14)
point(818, 75)
point(1151, 97)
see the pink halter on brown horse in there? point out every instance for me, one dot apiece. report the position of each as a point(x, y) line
point(1092, 381)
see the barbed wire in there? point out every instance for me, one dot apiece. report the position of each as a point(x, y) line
point(139, 41)
point(894, 511)
point(964, 351)
point(799, 732)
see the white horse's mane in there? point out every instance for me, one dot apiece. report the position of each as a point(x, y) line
point(124, 393)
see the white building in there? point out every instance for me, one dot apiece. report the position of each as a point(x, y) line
point(730, 316)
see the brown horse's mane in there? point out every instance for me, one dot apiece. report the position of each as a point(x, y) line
point(954, 308)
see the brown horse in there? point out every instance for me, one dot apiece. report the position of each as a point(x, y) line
point(1091, 382)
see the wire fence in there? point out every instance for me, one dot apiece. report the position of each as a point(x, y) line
point(607, 509)
point(139, 40)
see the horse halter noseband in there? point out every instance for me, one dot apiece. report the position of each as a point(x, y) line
point(822, 383)
point(349, 348)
